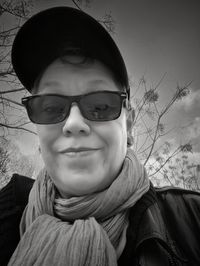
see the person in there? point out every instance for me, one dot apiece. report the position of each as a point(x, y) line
point(93, 203)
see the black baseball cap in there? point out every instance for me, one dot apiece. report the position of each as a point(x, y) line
point(46, 35)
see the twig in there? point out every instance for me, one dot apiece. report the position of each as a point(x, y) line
point(19, 128)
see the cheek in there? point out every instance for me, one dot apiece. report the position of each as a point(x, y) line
point(121, 137)
point(121, 129)
point(47, 136)
point(115, 136)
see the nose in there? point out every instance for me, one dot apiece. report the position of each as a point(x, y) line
point(75, 124)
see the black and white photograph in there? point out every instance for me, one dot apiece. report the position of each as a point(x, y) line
point(99, 133)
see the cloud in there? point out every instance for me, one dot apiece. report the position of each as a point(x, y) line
point(190, 132)
point(193, 130)
point(190, 103)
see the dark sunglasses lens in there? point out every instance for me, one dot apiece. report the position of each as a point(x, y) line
point(48, 109)
point(102, 106)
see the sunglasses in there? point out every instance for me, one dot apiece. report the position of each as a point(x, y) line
point(55, 108)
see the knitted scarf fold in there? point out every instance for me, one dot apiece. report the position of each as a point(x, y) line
point(87, 230)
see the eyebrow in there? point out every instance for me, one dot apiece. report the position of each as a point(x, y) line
point(95, 84)
point(98, 82)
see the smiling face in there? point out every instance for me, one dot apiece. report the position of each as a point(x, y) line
point(81, 156)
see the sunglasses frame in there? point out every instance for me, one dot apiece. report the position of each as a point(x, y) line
point(76, 99)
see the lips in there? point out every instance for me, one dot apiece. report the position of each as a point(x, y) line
point(78, 150)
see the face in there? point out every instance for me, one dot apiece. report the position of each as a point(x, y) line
point(81, 156)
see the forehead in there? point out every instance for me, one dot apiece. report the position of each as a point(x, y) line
point(73, 72)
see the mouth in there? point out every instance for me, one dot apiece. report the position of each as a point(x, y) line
point(81, 151)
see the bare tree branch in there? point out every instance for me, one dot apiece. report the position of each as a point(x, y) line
point(76, 5)
point(19, 128)
point(12, 101)
point(11, 91)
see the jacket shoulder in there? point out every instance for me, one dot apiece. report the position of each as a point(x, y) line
point(16, 192)
point(179, 199)
point(13, 199)
point(180, 209)
point(23, 185)
point(182, 203)
point(174, 190)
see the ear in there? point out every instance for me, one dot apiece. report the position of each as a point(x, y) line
point(129, 124)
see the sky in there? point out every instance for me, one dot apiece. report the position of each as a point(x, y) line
point(156, 38)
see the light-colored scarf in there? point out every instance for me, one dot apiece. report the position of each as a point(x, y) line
point(77, 231)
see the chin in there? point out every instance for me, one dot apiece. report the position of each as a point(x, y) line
point(79, 186)
point(74, 192)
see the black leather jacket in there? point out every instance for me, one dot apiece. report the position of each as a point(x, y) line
point(164, 227)
point(13, 199)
